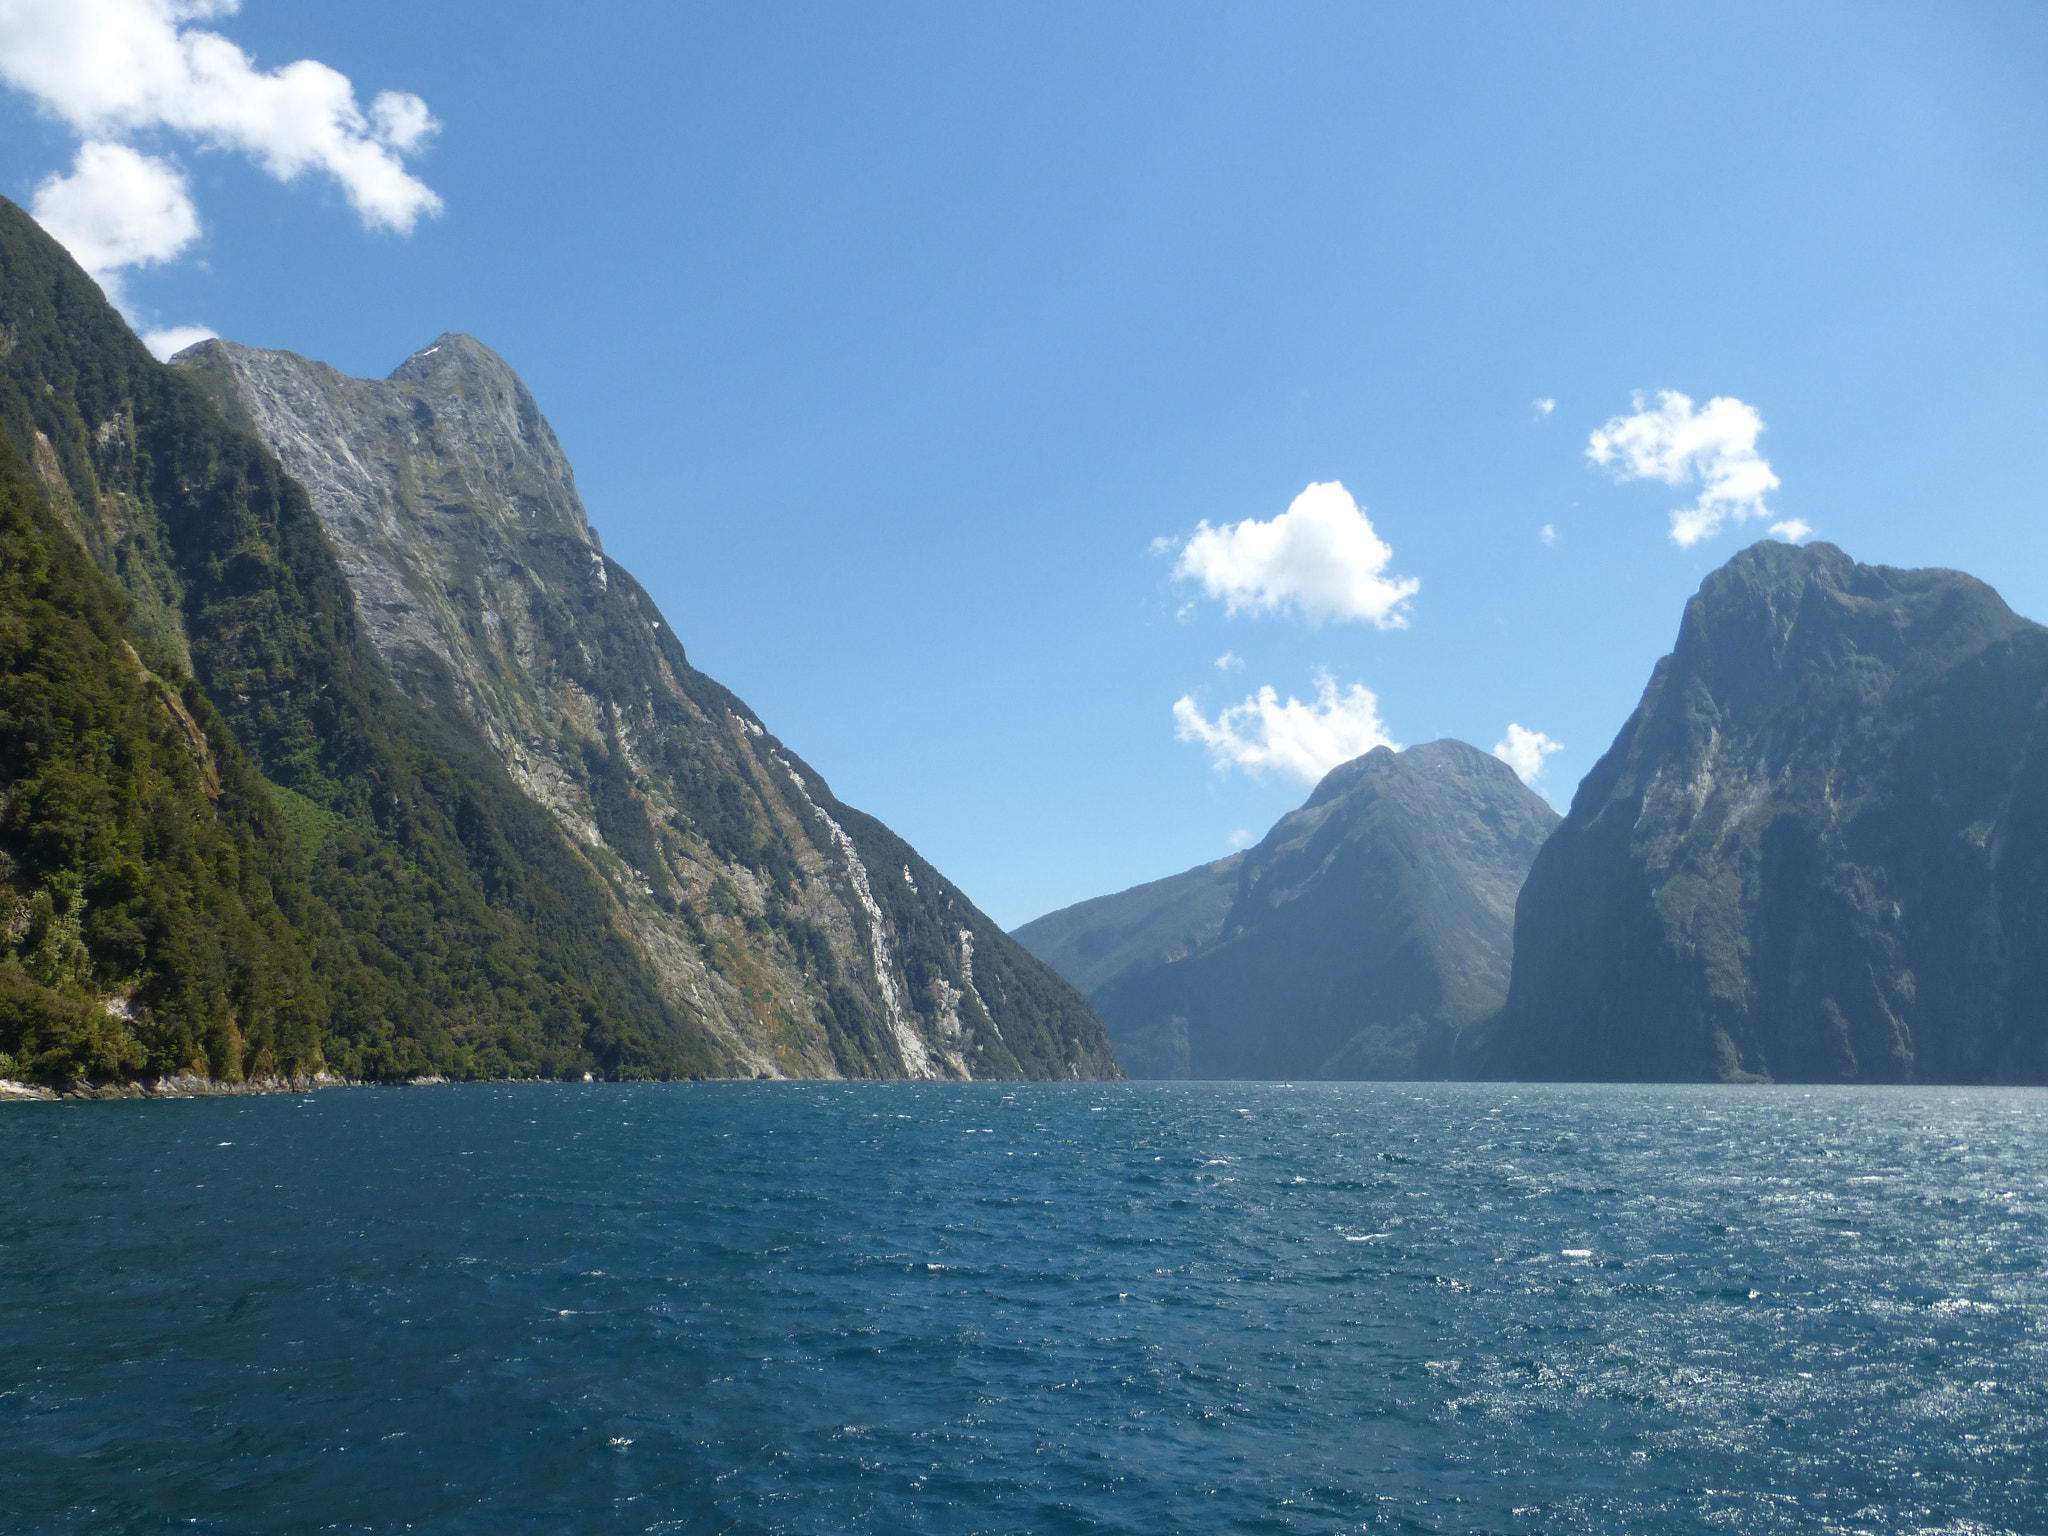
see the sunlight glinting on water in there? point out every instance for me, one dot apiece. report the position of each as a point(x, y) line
point(1002, 1308)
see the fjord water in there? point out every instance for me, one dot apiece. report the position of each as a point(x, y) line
point(1027, 1308)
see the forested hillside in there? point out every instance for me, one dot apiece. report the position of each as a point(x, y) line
point(455, 933)
point(235, 845)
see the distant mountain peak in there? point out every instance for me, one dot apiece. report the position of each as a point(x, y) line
point(1446, 754)
point(1354, 940)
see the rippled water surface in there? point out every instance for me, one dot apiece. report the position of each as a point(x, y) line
point(999, 1308)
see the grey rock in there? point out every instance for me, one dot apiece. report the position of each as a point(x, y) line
point(767, 910)
point(1816, 852)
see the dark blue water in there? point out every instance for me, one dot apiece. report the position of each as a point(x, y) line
point(981, 1308)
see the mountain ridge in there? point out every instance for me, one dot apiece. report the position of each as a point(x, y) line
point(1817, 851)
point(425, 914)
point(802, 935)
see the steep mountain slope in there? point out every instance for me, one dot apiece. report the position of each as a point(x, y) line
point(446, 924)
point(232, 842)
point(1362, 933)
point(1145, 927)
point(1818, 850)
point(799, 936)
point(145, 882)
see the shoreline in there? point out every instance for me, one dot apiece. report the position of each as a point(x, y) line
point(182, 1085)
point(195, 1085)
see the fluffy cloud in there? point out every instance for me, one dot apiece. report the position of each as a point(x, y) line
point(173, 339)
point(1676, 444)
point(116, 68)
point(1524, 751)
point(1304, 741)
point(1542, 406)
point(1792, 530)
point(117, 208)
point(1320, 557)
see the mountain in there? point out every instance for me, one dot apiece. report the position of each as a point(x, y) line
point(413, 916)
point(236, 839)
point(1355, 941)
point(1817, 851)
point(1150, 925)
point(801, 936)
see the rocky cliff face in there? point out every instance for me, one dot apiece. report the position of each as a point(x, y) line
point(1817, 852)
point(800, 935)
point(1354, 941)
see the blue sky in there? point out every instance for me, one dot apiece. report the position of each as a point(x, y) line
point(889, 341)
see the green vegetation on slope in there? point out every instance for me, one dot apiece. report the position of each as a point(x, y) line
point(140, 927)
point(1042, 1027)
point(1149, 925)
point(453, 929)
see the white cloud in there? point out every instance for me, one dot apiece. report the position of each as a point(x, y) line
point(1549, 533)
point(1320, 556)
point(1543, 405)
point(1230, 661)
point(173, 339)
point(1793, 530)
point(117, 208)
point(1678, 445)
point(111, 69)
point(401, 121)
point(1304, 741)
point(1241, 838)
point(1524, 751)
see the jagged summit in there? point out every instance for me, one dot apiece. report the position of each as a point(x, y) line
point(363, 757)
point(455, 350)
point(370, 893)
point(1777, 613)
point(1817, 851)
point(767, 910)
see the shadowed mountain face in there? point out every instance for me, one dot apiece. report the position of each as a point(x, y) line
point(1355, 941)
point(799, 935)
point(1817, 852)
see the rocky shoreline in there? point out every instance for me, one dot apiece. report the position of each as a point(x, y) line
point(183, 1085)
point(195, 1085)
